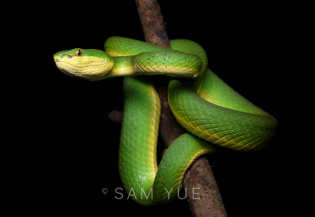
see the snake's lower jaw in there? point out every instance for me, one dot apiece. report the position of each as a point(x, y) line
point(64, 69)
point(67, 72)
point(79, 72)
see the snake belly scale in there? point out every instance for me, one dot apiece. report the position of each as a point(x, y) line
point(211, 111)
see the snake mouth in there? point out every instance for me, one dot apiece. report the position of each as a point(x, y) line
point(64, 71)
point(61, 65)
point(68, 73)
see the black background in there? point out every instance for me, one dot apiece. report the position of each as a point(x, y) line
point(65, 148)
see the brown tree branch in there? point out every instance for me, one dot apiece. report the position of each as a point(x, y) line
point(152, 22)
point(200, 175)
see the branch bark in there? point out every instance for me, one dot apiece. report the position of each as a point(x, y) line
point(199, 176)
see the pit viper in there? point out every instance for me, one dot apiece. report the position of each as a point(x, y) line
point(211, 111)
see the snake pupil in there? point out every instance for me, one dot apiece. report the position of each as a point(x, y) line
point(79, 53)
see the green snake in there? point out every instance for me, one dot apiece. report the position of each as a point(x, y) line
point(201, 102)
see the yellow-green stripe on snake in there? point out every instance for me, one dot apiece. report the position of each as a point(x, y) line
point(201, 102)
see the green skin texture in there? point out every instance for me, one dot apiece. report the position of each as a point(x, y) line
point(229, 120)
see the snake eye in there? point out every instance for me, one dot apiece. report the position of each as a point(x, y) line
point(78, 53)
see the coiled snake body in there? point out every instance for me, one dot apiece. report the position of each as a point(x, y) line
point(204, 105)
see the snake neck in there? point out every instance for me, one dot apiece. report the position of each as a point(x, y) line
point(123, 66)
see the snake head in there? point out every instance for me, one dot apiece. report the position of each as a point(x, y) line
point(87, 64)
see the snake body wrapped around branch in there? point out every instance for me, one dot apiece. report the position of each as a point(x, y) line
point(211, 111)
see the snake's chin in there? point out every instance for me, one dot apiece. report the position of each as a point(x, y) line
point(61, 68)
point(67, 73)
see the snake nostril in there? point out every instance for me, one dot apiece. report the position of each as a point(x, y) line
point(69, 56)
